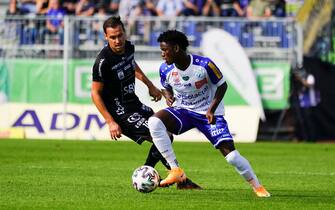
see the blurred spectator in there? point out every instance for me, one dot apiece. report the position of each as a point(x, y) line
point(259, 8)
point(97, 25)
point(143, 8)
point(150, 5)
point(27, 6)
point(42, 7)
point(278, 8)
point(55, 23)
point(69, 6)
point(85, 8)
point(126, 7)
point(13, 9)
point(192, 7)
point(241, 7)
point(169, 8)
point(112, 6)
point(227, 8)
point(305, 100)
point(292, 7)
point(140, 28)
point(211, 8)
point(13, 29)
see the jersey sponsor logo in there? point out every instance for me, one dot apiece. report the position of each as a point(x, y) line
point(175, 77)
point(215, 70)
point(192, 96)
point(120, 74)
point(138, 119)
point(192, 103)
point(185, 78)
point(120, 108)
point(200, 83)
point(118, 65)
point(134, 117)
point(129, 89)
point(219, 131)
point(141, 122)
point(199, 73)
point(127, 67)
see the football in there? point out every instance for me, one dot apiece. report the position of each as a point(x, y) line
point(145, 179)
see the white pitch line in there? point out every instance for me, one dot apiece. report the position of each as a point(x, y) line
point(303, 173)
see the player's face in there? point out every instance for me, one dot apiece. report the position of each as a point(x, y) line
point(116, 38)
point(167, 52)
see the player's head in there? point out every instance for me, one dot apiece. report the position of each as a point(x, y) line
point(172, 44)
point(115, 34)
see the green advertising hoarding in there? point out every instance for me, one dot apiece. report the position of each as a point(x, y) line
point(41, 81)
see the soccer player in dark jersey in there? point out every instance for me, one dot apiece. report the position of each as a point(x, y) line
point(194, 87)
point(113, 92)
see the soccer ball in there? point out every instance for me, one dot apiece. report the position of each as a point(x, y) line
point(145, 179)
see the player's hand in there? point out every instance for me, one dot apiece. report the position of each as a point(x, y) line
point(155, 93)
point(168, 97)
point(170, 100)
point(114, 130)
point(210, 117)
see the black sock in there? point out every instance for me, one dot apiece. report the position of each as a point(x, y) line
point(154, 156)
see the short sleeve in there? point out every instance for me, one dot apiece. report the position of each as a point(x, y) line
point(214, 73)
point(98, 69)
point(163, 71)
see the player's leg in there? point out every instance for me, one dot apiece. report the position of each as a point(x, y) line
point(221, 138)
point(160, 124)
point(141, 132)
point(154, 156)
point(242, 166)
point(134, 124)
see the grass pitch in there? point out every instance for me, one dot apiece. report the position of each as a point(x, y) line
point(46, 174)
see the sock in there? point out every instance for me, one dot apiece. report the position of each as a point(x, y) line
point(243, 167)
point(154, 156)
point(162, 141)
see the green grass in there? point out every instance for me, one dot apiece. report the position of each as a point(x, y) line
point(46, 174)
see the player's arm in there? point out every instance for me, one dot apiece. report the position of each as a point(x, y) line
point(218, 81)
point(96, 94)
point(153, 91)
point(219, 94)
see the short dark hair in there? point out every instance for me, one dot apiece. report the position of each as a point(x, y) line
point(112, 22)
point(174, 37)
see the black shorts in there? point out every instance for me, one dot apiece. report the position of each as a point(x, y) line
point(134, 121)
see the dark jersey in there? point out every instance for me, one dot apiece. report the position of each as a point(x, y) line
point(117, 73)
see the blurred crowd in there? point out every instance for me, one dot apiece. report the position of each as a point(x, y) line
point(167, 8)
point(55, 10)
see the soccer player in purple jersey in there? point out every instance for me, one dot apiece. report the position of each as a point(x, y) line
point(194, 88)
point(113, 93)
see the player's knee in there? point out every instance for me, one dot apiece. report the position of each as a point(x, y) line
point(155, 124)
point(233, 158)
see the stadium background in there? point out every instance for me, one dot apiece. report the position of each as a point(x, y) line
point(45, 77)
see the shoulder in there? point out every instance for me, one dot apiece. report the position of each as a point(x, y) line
point(201, 60)
point(102, 54)
point(165, 68)
point(102, 57)
point(204, 62)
